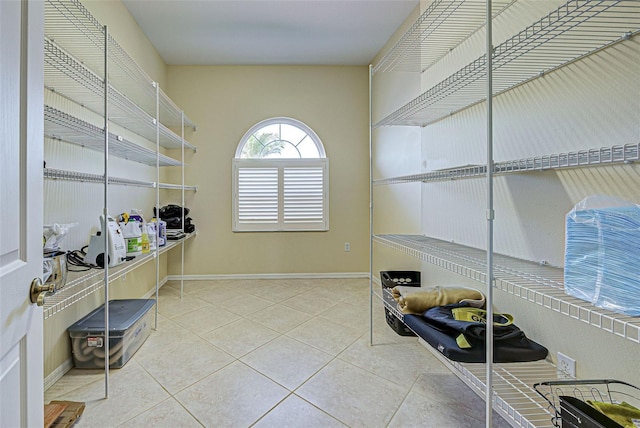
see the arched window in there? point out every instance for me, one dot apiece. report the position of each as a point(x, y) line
point(280, 177)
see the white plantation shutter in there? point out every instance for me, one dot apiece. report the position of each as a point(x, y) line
point(258, 195)
point(279, 194)
point(303, 194)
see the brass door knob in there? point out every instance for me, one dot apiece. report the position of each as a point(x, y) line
point(38, 292)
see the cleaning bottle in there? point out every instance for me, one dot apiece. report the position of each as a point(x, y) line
point(133, 237)
point(145, 240)
point(162, 231)
point(151, 232)
point(136, 214)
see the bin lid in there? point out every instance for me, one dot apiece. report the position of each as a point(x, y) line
point(122, 315)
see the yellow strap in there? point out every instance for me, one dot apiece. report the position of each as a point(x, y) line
point(462, 342)
point(479, 315)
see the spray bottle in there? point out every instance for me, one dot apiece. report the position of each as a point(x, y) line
point(136, 214)
point(145, 239)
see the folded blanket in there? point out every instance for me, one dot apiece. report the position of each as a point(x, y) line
point(624, 413)
point(412, 300)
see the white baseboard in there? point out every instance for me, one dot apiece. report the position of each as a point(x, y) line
point(152, 293)
point(208, 277)
point(57, 374)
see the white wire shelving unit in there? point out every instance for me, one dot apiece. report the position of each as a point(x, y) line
point(573, 31)
point(83, 284)
point(514, 397)
point(85, 65)
point(59, 174)
point(65, 127)
point(540, 284)
point(93, 86)
point(626, 154)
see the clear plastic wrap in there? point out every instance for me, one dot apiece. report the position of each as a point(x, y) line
point(54, 234)
point(602, 254)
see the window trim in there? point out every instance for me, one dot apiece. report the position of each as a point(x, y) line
point(281, 225)
point(283, 193)
point(281, 120)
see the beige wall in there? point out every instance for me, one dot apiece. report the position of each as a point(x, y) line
point(225, 102)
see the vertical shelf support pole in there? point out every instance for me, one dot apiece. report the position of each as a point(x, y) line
point(157, 254)
point(105, 213)
point(490, 216)
point(182, 205)
point(370, 213)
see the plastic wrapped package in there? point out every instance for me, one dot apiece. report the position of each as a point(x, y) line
point(602, 254)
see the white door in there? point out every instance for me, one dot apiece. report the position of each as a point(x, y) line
point(21, 136)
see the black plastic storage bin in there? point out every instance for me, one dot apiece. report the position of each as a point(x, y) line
point(129, 327)
point(397, 324)
point(575, 413)
point(390, 279)
point(568, 410)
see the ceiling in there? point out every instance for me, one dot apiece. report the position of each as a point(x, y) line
point(266, 32)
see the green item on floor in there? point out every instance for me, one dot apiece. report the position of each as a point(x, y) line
point(623, 413)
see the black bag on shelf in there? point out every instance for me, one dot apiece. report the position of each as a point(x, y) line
point(171, 210)
point(438, 327)
point(172, 215)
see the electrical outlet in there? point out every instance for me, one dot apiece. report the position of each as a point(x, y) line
point(566, 366)
point(347, 246)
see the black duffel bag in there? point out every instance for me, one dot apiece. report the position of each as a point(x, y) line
point(172, 215)
point(169, 211)
point(462, 340)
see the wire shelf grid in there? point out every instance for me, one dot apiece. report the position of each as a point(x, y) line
point(71, 25)
point(574, 30)
point(66, 175)
point(83, 284)
point(438, 30)
point(169, 186)
point(627, 153)
point(62, 126)
point(514, 397)
point(536, 283)
point(59, 174)
point(65, 75)
point(68, 77)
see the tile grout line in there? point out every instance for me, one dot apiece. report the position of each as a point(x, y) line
point(322, 314)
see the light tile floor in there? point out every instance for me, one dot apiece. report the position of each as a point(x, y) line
point(274, 353)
